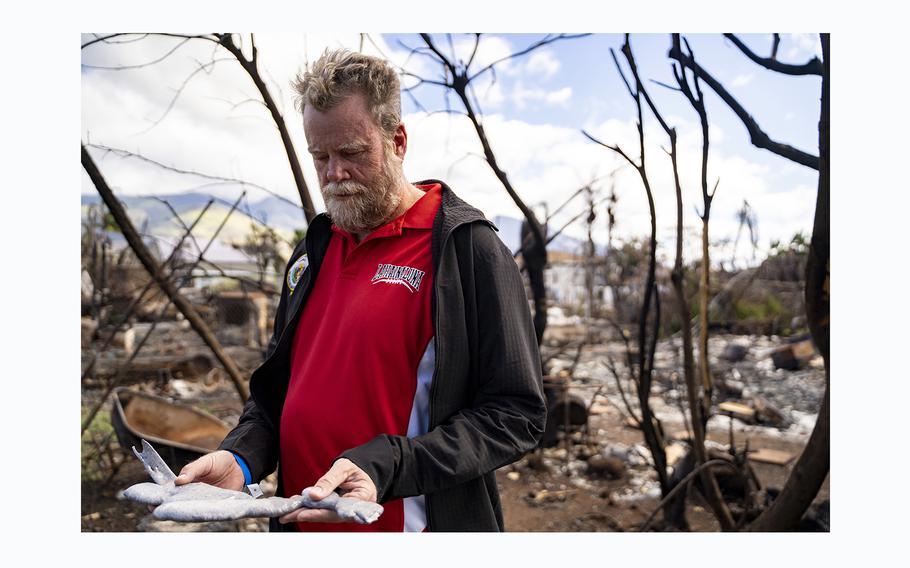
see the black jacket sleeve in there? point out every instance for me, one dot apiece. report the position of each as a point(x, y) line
point(254, 439)
point(508, 412)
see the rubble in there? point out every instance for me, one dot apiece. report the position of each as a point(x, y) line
point(793, 356)
point(606, 466)
point(735, 352)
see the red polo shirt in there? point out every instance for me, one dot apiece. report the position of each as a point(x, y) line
point(363, 356)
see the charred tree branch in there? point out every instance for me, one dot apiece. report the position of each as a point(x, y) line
point(758, 136)
point(145, 257)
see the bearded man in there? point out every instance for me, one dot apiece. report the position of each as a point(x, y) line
point(403, 368)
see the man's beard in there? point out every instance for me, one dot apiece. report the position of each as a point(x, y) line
point(366, 208)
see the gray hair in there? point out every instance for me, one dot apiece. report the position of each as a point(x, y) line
point(339, 73)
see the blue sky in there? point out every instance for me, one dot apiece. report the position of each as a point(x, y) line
point(533, 114)
point(575, 84)
point(785, 106)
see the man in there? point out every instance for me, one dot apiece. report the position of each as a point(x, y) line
point(403, 368)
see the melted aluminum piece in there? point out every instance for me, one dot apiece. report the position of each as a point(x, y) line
point(195, 502)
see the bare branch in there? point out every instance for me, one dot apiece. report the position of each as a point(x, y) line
point(421, 80)
point(103, 39)
point(684, 482)
point(128, 154)
point(758, 136)
point(432, 47)
point(640, 88)
point(202, 67)
point(811, 67)
point(671, 87)
point(138, 297)
point(448, 111)
point(419, 50)
point(252, 70)
point(148, 262)
point(473, 94)
point(233, 105)
point(622, 392)
point(187, 230)
point(621, 74)
point(548, 39)
point(473, 51)
point(140, 65)
point(451, 47)
point(528, 240)
point(211, 37)
point(616, 149)
point(456, 162)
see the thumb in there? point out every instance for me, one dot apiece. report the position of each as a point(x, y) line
point(188, 474)
point(328, 482)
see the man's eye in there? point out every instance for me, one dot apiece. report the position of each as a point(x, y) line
point(320, 158)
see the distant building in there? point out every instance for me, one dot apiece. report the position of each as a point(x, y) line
point(564, 279)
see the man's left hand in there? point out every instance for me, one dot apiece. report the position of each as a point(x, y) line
point(353, 482)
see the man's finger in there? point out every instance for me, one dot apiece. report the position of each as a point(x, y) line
point(187, 474)
point(310, 516)
point(359, 493)
point(184, 478)
point(190, 471)
point(336, 475)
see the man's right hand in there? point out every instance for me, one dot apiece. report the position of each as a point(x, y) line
point(217, 468)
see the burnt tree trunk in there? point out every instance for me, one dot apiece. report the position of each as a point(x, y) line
point(536, 257)
point(535, 260)
point(712, 490)
point(813, 466)
point(251, 66)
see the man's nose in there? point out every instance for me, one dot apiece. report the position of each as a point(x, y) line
point(336, 170)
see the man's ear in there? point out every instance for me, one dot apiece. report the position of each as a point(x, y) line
point(400, 140)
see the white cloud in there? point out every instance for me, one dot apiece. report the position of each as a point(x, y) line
point(542, 63)
point(490, 49)
point(545, 162)
point(522, 95)
point(804, 46)
point(742, 80)
point(560, 97)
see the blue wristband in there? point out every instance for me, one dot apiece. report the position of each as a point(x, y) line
point(247, 477)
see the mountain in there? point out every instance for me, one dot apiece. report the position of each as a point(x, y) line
point(153, 217)
point(278, 213)
point(273, 212)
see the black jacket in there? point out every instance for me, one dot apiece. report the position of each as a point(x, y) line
point(487, 406)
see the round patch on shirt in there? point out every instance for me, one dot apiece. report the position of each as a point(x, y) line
point(296, 271)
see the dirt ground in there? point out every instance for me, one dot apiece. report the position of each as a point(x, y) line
point(556, 500)
point(597, 506)
point(557, 494)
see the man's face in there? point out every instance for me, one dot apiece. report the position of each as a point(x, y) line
point(355, 163)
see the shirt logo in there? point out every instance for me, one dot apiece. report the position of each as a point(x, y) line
point(408, 277)
point(296, 272)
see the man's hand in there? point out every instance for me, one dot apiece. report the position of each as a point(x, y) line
point(353, 482)
point(217, 468)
